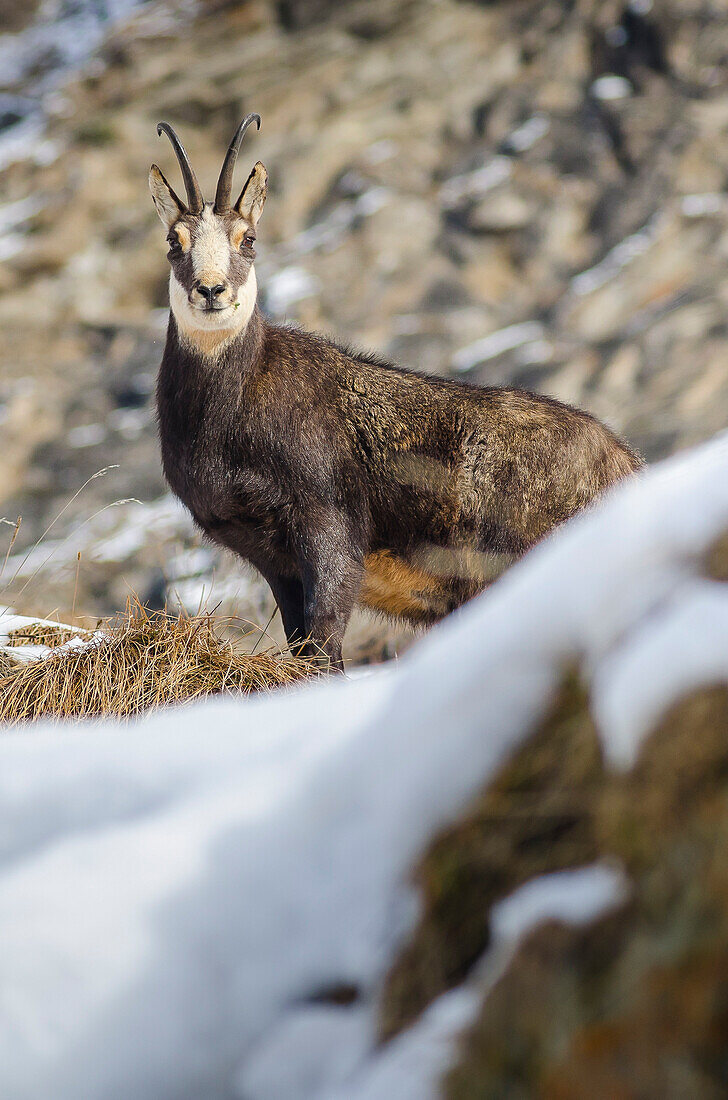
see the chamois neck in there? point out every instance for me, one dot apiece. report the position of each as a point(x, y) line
point(206, 335)
point(239, 353)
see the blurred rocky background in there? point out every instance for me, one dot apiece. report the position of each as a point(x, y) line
point(529, 192)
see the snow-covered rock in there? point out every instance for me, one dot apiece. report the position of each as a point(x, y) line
point(179, 897)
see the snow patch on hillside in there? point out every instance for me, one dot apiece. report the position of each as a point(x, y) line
point(177, 897)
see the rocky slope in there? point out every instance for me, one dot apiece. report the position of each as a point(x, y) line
point(527, 192)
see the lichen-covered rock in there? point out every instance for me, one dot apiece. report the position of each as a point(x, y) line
point(634, 1005)
point(537, 816)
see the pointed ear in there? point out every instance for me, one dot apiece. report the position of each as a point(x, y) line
point(169, 206)
point(252, 197)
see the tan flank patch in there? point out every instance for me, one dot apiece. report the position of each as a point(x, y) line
point(423, 471)
point(394, 587)
point(479, 567)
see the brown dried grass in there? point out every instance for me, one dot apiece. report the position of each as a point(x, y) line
point(137, 662)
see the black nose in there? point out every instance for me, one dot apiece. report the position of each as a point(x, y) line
point(210, 293)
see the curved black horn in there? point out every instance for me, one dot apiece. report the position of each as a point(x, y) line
point(225, 182)
point(195, 201)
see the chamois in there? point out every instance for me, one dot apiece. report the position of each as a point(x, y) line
point(345, 479)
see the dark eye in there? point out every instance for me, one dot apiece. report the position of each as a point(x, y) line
point(248, 241)
point(175, 247)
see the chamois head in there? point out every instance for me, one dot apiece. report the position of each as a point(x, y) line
point(211, 245)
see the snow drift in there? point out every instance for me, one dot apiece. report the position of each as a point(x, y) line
point(179, 898)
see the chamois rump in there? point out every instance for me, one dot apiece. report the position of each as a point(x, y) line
point(345, 479)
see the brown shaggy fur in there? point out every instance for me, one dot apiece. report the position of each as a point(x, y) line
point(343, 478)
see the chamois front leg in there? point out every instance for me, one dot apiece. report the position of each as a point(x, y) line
point(331, 571)
point(288, 594)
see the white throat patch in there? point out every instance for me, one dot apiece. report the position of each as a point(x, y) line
point(208, 333)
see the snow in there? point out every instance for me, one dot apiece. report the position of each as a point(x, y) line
point(703, 205)
point(687, 636)
point(314, 1050)
point(474, 184)
point(381, 151)
point(411, 1066)
point(122, 529)
point(571, 897)
point(67, 33)
point(10, 622)
point(41, 58)
point(497, 343)
point(114, 533)
point(13, 217)
point(611, 86)
point(327, 233)
point(177, 896)
point(621, 256)
point(86, 435)
point(526, 135)
point(288, 286)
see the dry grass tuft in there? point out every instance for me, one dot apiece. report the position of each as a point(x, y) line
point(6, 663)
point(137, 662)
